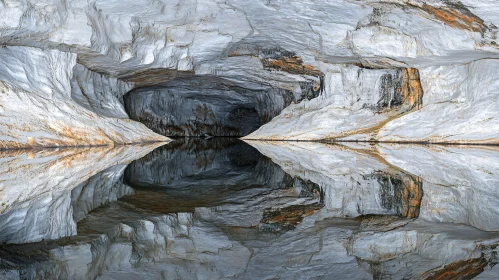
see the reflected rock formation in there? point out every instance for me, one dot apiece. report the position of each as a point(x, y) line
point(400, 178)
point(458, 182)
point(45, 193)
point(356, 182)
point(218, 209)
point(228, 174)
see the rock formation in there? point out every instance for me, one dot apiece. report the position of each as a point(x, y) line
point(396, 70)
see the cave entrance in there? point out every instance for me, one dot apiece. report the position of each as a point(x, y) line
point(201, 106)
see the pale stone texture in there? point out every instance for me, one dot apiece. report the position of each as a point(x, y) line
point(458, 184)
point(229, 39)
point(37, 109)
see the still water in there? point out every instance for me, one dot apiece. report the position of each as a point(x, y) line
point(221, 208)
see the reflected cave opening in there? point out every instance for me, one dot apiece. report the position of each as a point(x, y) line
point(199, 106)
point(168, 180)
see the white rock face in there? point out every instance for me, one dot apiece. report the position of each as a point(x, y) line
point(460, 105)
point(349, 105)
point(37, 109)
point(98, 93)
point(278, 44)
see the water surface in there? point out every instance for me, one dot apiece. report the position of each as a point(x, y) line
point(221, 208)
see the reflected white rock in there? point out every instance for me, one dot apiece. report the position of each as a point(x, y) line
point(263, 230)
point(45, 193)
point(354, 182)
point(458, 184)
point(121, 242)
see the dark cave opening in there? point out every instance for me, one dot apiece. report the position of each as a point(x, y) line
point(201, 106)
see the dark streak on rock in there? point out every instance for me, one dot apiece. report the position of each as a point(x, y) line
point(401, 92)
point(401, 193)
point(465, 269)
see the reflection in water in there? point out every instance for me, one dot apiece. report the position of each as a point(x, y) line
point(400, 193)
point(221, 208)
point(43, 194)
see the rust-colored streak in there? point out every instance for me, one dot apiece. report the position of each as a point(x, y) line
point(457, 17)
point(401, 193)
point(411, 91)
point(233, 54)
point(465, 269)
point(292, 65)
point(289, 217)
point(407, 97)
point(410, 197)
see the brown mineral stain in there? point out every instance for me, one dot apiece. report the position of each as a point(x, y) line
point(31, 141)
point(410, 93)
point(457, 16)
point(156, 76)
point(409, 196)
point(292, 65)
point(232, 54)
point(465, 269)
point(291, 216)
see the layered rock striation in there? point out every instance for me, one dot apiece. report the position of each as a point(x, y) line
point(397, 70)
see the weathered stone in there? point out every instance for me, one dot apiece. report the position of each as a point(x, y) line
point(309, 48)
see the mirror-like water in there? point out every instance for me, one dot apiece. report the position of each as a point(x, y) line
point(221, 208)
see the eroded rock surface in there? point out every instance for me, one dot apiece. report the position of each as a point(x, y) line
point(360, 179)
point(348, 58)
point(37, 109)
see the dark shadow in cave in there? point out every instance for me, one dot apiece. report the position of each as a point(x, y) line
point(201, 105)
point(193, 172)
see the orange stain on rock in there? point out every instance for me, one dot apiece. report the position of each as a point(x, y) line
point(457, 17)
point(292, 65)
point(291, 216)
point(410, 197)
point(465, 269)
point(31, 141)
point(411, 91)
